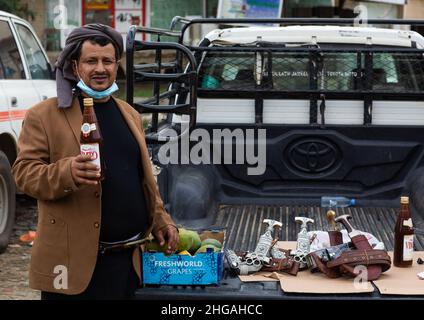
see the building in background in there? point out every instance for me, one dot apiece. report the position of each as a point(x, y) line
point(414, 9)
point(250, 8)
point(373, 9)
point(376, 9)
point(55, 18)
point(63, 16)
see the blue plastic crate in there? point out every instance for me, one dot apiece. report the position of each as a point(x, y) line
point(177, 269)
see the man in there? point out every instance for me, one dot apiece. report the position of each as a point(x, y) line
point(78, 214)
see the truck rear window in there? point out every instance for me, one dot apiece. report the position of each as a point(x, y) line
point(335, 71)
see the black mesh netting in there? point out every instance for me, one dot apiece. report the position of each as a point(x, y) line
point(334, 71)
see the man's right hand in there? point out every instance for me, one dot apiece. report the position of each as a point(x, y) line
point(83, 171)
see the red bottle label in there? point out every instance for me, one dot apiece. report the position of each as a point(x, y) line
point(93, 150)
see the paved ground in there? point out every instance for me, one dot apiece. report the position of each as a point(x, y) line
point(14, 262)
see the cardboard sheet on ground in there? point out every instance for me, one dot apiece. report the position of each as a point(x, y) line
point(307, 282)
point(402, 280)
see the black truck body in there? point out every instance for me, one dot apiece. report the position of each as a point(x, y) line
point(372, 161)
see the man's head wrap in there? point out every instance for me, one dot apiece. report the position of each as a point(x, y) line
point(65, 78)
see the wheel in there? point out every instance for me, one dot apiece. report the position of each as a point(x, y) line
point(7, 202)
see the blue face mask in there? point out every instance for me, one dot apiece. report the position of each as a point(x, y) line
point(97, 94)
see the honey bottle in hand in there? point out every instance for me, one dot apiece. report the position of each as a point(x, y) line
point(91, 138)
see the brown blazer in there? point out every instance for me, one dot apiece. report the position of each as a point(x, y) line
point(69, 217)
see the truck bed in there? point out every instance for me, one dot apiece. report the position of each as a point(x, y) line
point(243, 225)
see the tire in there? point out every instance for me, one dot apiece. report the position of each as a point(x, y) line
point(7, 202)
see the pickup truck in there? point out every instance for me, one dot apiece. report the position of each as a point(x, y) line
point(25, 78)
point(296, 109)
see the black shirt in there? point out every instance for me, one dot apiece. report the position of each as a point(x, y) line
point(124, 212)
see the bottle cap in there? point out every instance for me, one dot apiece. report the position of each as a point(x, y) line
point(353, 202)
point(404, 200)
point(88, 102)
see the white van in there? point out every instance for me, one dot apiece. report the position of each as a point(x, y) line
point(25, 78)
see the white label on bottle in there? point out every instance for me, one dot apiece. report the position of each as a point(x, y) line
point(93, 150)
point(408, 223)
point(408, 247)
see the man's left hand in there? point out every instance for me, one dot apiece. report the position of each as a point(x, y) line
point(170, 236)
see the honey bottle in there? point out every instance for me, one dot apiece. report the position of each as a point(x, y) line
point(404, 236)
point(91, 138)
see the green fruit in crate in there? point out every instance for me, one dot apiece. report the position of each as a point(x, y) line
point(212, 242)
point(186, 240)
point(196, 240)
point(153, 245)
point(206, 247)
